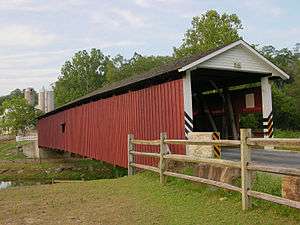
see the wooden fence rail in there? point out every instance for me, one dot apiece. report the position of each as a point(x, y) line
point(26, 138)
point(246, 166)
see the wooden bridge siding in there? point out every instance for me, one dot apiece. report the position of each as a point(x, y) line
point(99, 129)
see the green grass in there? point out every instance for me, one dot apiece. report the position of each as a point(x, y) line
point(286, 134)
point(140, 199)
point(68, 170)
point(9, 150)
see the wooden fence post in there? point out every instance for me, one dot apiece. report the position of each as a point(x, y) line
point(245, 174)
point(162, 161)
point(131, 158)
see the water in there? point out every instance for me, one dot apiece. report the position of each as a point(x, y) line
point(5, 184)
point(9, 184)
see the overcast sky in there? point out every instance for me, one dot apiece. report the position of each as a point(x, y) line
point(36, 37)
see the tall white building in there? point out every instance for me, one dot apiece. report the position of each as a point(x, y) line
point(46, 100)
point(41, 104)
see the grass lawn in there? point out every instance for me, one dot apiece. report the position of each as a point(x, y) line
point(46, 171)
point(8, 150)
point(139, 199)
point(286, 134)
point(64, 170)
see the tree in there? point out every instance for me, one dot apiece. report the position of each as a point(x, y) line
point(293, 89)
point(209, 31)
point(286, 94)
point(16, 92)
point(120, 68)
point(83, 74)
point(18, 115)
point(282, 58)
point(286, 114)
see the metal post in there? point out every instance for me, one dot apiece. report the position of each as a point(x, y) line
point(245, 174)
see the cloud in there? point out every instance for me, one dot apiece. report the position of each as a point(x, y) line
point(37, 69)
point(21, 78)
point(152, 3)
point(28, 74)
point(34, 69)
point(117, 18)
point(39, 6)
point(28, 70)
point(129, 17)
point(142, 3)
point(21, 36)
point(264, 7)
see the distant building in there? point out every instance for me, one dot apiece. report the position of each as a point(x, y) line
point(29, 96)
point(46, 100)
point(297, 50)
point(41, 100)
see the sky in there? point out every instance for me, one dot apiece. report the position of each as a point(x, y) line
point(37, 37)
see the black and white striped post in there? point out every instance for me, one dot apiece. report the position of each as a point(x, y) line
point(266, 92)
point(188, 106)
point(268, 126)
point(188, 124)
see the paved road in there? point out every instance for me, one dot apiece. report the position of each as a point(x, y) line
point(285, 159)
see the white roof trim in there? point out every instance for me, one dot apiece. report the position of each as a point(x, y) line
point(190, 66)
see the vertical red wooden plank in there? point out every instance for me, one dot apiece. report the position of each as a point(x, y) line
point(99, 129)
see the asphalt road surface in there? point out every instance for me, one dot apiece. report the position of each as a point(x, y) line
point(278, 158)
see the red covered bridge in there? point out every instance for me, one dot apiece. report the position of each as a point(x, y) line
point(200, 93)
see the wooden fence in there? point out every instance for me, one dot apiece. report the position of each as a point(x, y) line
point(26, 138)
point(246, 165)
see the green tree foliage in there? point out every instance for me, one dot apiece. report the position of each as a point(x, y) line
point(120, 68)
point(209, 31)
point(89, 71)
point(286, 94)
point(252, 120)
point(284, 59)
point(84, 73)
point(286, 111)
point(16, 92)
point(18, 115)
point(293, 89)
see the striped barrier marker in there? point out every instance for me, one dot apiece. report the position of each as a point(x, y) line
point(217, 148)
point(268, 126)
point(188, 124)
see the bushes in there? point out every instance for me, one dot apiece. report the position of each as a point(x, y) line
point(285, 110)
point(253, 121)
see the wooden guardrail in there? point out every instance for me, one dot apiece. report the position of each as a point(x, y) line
point(246, 165)
point(26, 138)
